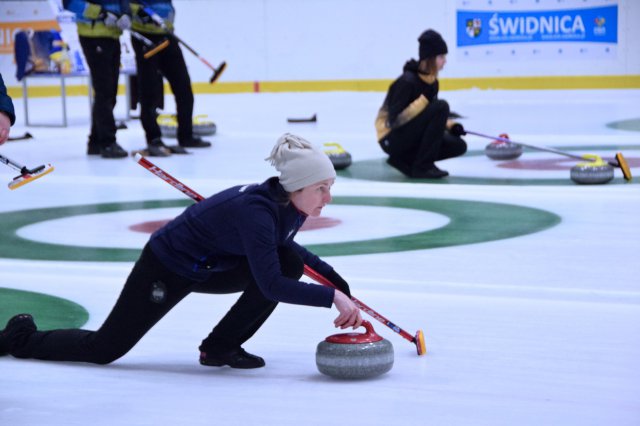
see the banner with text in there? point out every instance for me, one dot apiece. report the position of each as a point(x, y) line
point(542, 32)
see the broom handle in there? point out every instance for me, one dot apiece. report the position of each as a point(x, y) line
point(539, 148)
point(11, 163)
point(311, 273)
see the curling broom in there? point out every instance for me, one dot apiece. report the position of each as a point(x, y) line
point(620, 162)
point(26, 175)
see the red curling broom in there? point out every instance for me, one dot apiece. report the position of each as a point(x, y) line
point(418, 339)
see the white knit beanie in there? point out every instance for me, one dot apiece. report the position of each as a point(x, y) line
point(300, 164)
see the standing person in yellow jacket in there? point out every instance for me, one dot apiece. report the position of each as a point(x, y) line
point(100, 24)
point(413, 125)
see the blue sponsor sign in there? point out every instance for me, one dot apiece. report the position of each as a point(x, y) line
point(594, 25)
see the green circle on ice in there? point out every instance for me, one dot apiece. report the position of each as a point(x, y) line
point(469, 222)
point(50, 312)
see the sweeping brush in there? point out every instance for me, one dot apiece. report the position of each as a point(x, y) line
point(26, 175)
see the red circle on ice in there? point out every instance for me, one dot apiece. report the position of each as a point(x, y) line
point(310, 224)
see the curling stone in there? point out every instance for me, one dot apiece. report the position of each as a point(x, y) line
point(502, 150)
point(201, 125)
point(592, 172)
point(340, 158)
point(355, 355)
point(168, 125)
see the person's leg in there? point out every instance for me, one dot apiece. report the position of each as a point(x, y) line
point(149, 293)
point(148, 70)
point(452, 146)
point(401, 145)
point(174, 69)
point(247, 315)
point(435, 116)
point(103, 59)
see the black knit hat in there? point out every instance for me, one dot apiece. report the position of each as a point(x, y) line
point(431, 44)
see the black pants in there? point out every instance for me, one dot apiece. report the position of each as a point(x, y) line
point(170, 63)
point(149, 293)
point(103, 59)
point(424, 140)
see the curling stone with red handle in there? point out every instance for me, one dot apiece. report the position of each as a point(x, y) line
point(503, 150)
point(355, 355)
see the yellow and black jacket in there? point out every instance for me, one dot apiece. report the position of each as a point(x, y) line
point(406, 98)
point(89, 20)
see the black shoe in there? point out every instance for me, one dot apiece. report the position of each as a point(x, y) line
point(399, 165)
point(113, 151)
point(177, 149)
point(194, 142)
point(431, 172)
point(157, 148)
point(17, 328)
point(236, 358)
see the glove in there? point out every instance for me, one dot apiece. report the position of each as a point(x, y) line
point(110, 19)
point(457, 130)
point(148, 16)
point(124, 22)
point(339, 282)
point(144, 17)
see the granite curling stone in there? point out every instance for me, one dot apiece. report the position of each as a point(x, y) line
point(340, 158)
point(503, 150)
point(202, 126)
point(355, 355)
point(593, 172)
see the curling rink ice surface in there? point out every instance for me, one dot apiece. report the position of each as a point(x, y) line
point(525, 284)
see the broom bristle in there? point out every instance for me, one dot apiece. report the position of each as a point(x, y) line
point(624, 166)
point(25, 178)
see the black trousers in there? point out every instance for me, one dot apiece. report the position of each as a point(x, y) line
point(424, 140)
point(170, 63)
point(103, 59)
point(149, 293)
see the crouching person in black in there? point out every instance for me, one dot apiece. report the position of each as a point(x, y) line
point(239, 240)
point(413, 125)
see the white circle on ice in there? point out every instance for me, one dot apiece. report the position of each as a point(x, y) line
point(111, 230)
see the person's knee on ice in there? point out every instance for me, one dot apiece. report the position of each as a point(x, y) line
point(107, 356)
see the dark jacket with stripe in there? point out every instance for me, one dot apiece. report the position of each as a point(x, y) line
point(406, 98)
point(249, 221)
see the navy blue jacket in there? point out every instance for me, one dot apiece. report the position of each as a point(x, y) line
point(249, 221)
point(6, 105)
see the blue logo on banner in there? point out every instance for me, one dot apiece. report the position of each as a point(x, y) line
point(599, 25)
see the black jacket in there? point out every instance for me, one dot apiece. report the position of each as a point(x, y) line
point(407, 97)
